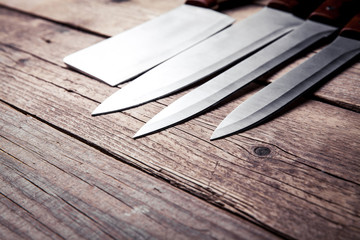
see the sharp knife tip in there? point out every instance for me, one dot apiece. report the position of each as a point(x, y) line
point(220, 132)
point(104, 109)
point(142, 132)
point(96, 112)
point(216, 135)
point(147, 129)
point(138, 134)
point(224, 131)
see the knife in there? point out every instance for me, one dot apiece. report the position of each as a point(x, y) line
point(130, 53)
point(211, 55)
point(322, 23)
point(284, 90)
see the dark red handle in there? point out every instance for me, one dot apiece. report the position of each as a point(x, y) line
point(352, 29)
point(298, 7)
point(203, 3)
point(285, 5)
point(336, 12)
point(214, 4)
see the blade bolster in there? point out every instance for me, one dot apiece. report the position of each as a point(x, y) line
point(352, 29)
point(202, 3)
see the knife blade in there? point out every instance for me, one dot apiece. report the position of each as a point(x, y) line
point(286, 89)
point(130, 53)
point(225, 84)
point(209, 56)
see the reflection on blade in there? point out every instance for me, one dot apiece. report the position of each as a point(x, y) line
point(238, 76)
point(287, 88)
point(204, 59)
point(133, 52)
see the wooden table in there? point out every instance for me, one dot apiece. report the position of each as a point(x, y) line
point(67, 175)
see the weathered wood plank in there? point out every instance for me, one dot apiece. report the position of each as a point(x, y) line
point(307, 187)
point(70, 190)
point(341, 91)
point(105, 17)
point(69, 81)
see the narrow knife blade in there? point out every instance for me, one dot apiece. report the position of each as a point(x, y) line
point(218, 88)
point(130, 53)
point(203, 59)
point(284, 90)
point(225, 84)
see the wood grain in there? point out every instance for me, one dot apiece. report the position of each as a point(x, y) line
point(336, 91)
point(70, 190)
point(306, 186)
point(105, 17)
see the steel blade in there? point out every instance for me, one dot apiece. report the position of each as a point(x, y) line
point(284, 90)
point(132, 52)
point(213, 54)
point(238, 76)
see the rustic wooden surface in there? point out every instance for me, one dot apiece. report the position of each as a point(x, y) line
point(65, 174)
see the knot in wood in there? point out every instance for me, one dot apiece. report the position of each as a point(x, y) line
point(262, 151)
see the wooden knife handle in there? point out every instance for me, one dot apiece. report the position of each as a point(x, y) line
point(207, 3)
point(336, 12)
point(298, 7)
point(285, 5)
point(352, 28)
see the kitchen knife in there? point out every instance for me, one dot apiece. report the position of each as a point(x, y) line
point(211, 55)
point(323, 22)
point(284, 90)
point(130, 53)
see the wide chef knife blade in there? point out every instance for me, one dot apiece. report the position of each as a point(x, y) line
point(209, 56)
point(130, 53)
point(218, 88)
point(284, 90)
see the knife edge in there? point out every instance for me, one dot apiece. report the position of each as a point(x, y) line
point(102, 60)
point(229, 82)
point(153, 83)
point(264, 105)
